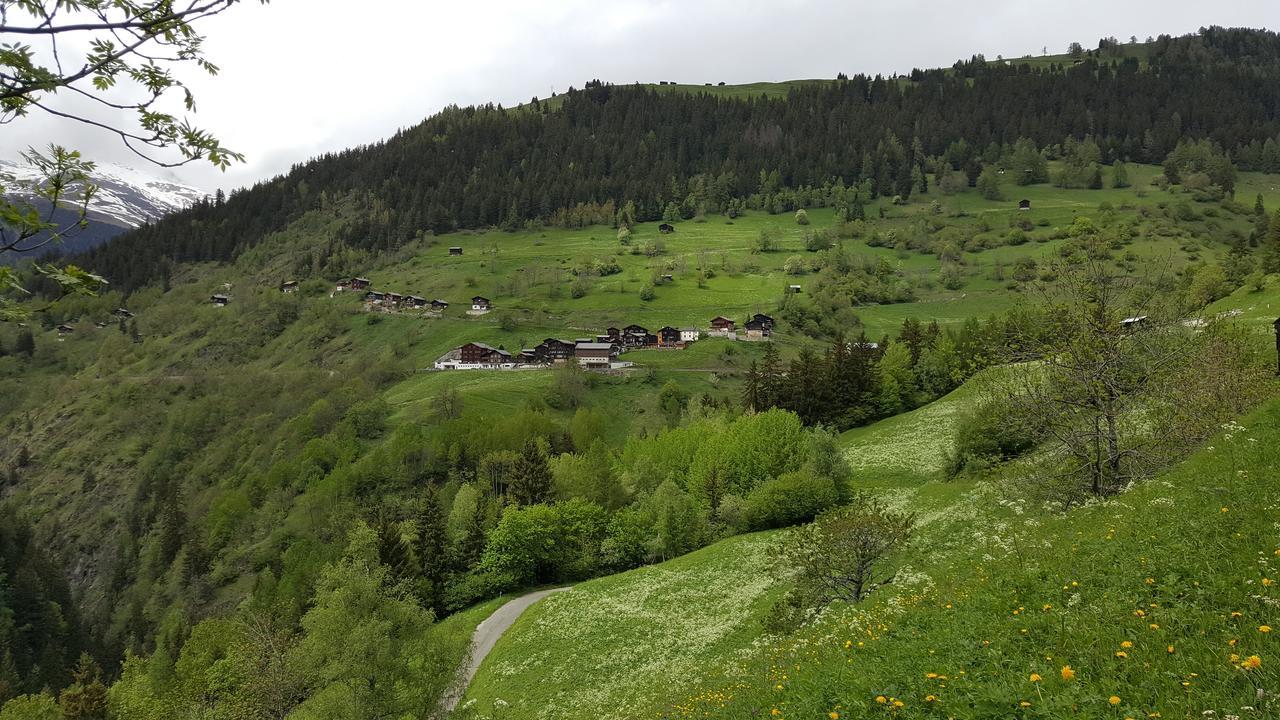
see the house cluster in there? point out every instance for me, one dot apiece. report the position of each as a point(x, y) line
point(757, 327)
point(378, 301)
point(600, 352)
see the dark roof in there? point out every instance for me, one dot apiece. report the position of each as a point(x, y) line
point(479, 299)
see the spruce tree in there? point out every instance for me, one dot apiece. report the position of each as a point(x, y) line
point(86, 697)
point(531, 483)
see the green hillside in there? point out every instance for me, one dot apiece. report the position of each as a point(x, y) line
point(990, 591)
point(230, 490)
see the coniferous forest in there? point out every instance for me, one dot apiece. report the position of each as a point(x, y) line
point(577, 157)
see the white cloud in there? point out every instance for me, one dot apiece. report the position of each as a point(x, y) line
point(302, 77)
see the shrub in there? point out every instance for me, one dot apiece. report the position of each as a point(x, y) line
point(990, 432)
point(802, 217)
point(790, 499)
point(646, 292)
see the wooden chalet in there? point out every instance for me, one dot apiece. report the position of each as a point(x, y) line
point(721, 323)
point(758, 328)
point(1024, 204)
point(666, 228)
point(793, 289)
point(635, 336)
point(122, 313)
point(219, 300)
point(360, 283)
point(481, 304)
point(765, 319)
point(668, 337)
point(393, 299)
point(554, 350)
point(289, 286)
point(65, 329)
point(689, 334)
point(455, 251)
point(439, 305)
point(414, 301)
point(373, 297)
point(474, 353)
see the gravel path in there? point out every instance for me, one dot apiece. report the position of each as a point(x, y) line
point(486, 635)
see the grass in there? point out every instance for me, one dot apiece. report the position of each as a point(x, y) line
point(1157, 600)
point(613, 647)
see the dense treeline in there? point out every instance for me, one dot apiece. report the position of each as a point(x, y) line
point(489, 166)
point(856, 382)
point(39, 631)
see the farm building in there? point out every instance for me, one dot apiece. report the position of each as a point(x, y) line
point(374, 297)
point(765, 319)
point(122, 313)
point(289, 286)
point(689, 334)
point(455, 251)
point(793, 289)
point(666, 228)
point(360, 283)
point(65, 329)
point(480, 304)
point(1024, 204)
point(594, 354)
point(722, 326)
point(1130, 324)
point(414, 301)
point(219, 300)
point(668, 337)
point(439, 305)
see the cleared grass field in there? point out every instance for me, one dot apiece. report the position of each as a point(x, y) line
point(614, 648)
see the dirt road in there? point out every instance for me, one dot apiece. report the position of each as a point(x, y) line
point(486, 635)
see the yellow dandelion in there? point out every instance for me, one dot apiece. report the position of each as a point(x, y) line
point(1122, 654)
point(1264, 628)
point(1253, 662)
point(881, 699)
point(833, 715)
point(1126, 644)
point(930, 698)
point(775, 712)
point(1151, 581)
point(1226, 509)
point(1266, 582)
point(1169, 649)
point(1114, 699)
point(1035, 677)
point(1068, 673)
point(899, 703)
point(777, 687)
point(1024, 703)
point(1155, 626)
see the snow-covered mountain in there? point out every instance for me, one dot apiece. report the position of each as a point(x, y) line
point(126, 197)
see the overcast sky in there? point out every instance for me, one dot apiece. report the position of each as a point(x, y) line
point(303, 77)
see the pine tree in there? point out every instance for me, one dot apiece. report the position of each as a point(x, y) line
point(392, 549)
point(430, 548)
point(532, 481)
point(751, 389)
point(86, 697)
point(26, 343)
point(770, 378)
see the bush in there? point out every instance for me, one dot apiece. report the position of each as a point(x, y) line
point(989, 433)
point(790, 499)
point(802, 217)
point(646, 292)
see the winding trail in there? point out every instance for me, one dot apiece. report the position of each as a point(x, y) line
point(485, 637)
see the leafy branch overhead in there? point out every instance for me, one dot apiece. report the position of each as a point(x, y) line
point(127, 69)
point(131, 50)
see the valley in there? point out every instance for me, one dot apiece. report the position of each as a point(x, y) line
point(995, 436)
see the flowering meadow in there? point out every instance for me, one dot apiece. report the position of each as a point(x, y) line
point(614, 648)
point(1159, 602)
